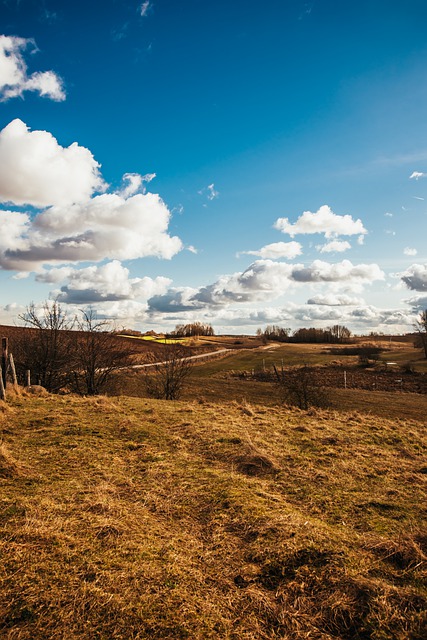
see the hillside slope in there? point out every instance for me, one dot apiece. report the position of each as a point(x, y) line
point(131, 518)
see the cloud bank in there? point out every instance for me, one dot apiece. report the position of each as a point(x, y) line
point(76, 225)
point(264, 280)
point(106, 283)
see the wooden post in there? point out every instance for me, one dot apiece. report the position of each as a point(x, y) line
point(4, 360)
point(13, 371)
point(28, 378)
point(2, 387)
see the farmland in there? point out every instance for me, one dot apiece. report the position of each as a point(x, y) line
point(222, 515)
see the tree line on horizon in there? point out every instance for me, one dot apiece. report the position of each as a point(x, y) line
point(337, 334)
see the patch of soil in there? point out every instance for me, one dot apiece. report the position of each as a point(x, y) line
point(359, 378)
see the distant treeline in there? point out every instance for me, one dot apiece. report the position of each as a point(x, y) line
point(193, 329)
point(331, 335)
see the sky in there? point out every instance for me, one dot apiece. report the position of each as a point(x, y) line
point(231, 162)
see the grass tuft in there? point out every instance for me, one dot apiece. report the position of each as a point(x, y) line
point(9, 467)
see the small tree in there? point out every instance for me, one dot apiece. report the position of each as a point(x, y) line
point(97, 354)
point(44, 348)
point(165, 380)
point(421, 327)
point(340, 333)
point(299, 387)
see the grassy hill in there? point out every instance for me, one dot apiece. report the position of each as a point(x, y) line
point(132, 518)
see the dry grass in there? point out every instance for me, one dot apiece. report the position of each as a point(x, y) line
point(147, 519)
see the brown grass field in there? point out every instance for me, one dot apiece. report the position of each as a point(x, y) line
point(223, 515)
point(136, 518)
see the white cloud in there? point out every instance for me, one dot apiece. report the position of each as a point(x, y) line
point(14, 226)
point(210, 191)
point(277, 250)
point(333, 300)
point(14, 80)
point(344, 271)
point(322, 221)
point(144, 8)
point(134, 182)
point(388, 214)
point(36, 170)
point(264, 280)
point(417, 174)
point(408, 251)
point(415, 277)
point(106, 283)
point(107, 226)
point(334, 246)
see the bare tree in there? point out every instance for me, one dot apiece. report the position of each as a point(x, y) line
point(421, 327)
point(97, 354)
point(299, 387)
point(45, 346)
point(340, 333)
point(166, 379)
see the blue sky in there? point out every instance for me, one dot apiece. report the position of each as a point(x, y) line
point(238, 163)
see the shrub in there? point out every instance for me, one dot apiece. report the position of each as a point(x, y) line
point(299, 387)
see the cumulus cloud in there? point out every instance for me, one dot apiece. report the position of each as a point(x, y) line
point(107, 226)
point(106, 283)
point(277, 250)
point(76, 225)
point(333, 300)
point(416, 175)
point(14, 79)
point(322, 221)
point(408, 251)
point(344, 271)
point(415, 277)
point(36, 170)
point(334, 246)
point(263, 280)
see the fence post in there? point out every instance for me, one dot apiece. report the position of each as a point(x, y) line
point(2, 387)
point(4, 360)
point(13, 371)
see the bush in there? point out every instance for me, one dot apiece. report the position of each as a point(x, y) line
point(300, 387)
point(165, 380)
